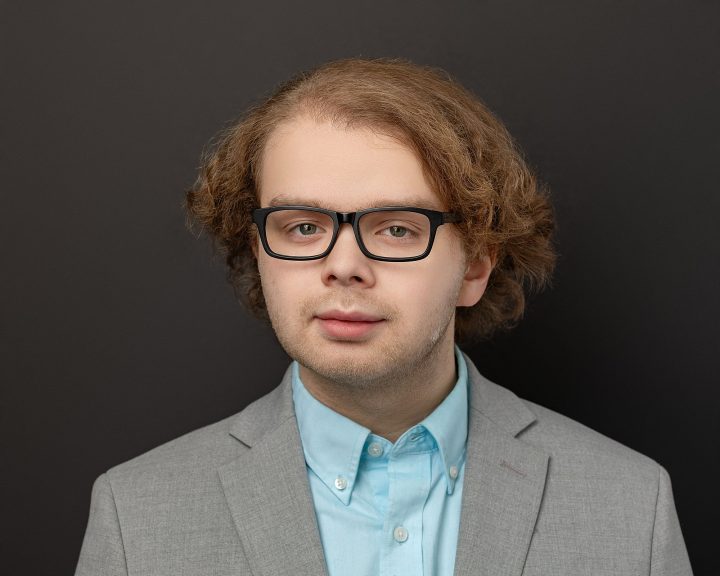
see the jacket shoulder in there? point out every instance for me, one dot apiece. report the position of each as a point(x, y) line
point(605, 492)
point(562, 438)
point(205, 448)
point(584, 462)
point(560, 434)
point(196, 449)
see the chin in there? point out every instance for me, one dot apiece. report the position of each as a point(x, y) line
point(350, 374)
point(348, 362)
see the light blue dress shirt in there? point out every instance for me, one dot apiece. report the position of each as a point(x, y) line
point(384, 508)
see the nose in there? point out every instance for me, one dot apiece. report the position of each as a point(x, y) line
point(346, 265)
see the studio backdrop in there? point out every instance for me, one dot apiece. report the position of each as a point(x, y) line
point(119, 331)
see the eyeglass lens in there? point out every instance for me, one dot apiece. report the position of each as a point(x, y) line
point(388, 234)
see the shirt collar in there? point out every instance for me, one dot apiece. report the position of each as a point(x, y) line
point(335, 457)
point(448, 424)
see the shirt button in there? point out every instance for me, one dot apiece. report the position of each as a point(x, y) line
point(400, 534)
point(415, 436)
point(375, 449)
point(453, 472)
point(340, 483)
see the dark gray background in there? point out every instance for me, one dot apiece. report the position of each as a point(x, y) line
point(118, 329)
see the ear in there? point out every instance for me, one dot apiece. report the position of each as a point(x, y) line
point(475, 280)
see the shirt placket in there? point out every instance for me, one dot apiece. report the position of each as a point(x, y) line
point(409, 473)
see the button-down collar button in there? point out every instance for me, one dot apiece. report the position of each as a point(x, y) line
point(375, 449)
point(453, 472)
point(340, 483)
point(400, 534)
point(415, 436)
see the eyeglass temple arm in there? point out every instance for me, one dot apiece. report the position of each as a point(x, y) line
point(450, 217)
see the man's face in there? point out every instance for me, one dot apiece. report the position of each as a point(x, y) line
point(410, 306)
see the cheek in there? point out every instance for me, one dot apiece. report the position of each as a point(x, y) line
point(271, 282)
point(420, 291)
point(285, 285)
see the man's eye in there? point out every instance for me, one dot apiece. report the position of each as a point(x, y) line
point(305, 229)
point(398, 231)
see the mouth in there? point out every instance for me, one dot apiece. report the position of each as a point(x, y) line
point(348, 326)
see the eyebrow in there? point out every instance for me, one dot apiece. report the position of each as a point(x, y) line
point(286, 200)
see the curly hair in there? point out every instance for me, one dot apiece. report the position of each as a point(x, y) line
point(466, 153)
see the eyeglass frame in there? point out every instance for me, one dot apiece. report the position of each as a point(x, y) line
point(436, 218)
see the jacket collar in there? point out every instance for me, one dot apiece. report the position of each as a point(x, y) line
point(269, 496)
point(267, 490)
point(499, 405)
point(503, 486)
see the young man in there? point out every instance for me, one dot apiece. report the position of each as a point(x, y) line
point(376, 212)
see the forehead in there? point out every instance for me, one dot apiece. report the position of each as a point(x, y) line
point(317, 163)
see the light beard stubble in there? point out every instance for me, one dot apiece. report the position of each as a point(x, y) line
point(394, 361)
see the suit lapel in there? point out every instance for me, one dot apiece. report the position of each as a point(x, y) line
point(503, 484)
point(268, 493)
point(270, 500)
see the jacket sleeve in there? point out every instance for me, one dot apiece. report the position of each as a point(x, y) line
point(669, 555)
point(102, 552)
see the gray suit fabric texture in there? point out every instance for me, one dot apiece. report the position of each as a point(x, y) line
point(542, 494)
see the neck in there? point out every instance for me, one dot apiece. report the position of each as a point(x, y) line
point(389, 407)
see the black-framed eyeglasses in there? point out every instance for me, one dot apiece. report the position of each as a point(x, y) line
point(390, 233)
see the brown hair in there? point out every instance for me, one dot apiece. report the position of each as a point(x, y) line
point(467, 154)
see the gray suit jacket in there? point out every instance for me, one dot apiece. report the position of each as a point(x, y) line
point(542, 494)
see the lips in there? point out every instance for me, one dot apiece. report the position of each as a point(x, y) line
point(348, 326)
point(349, 316)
